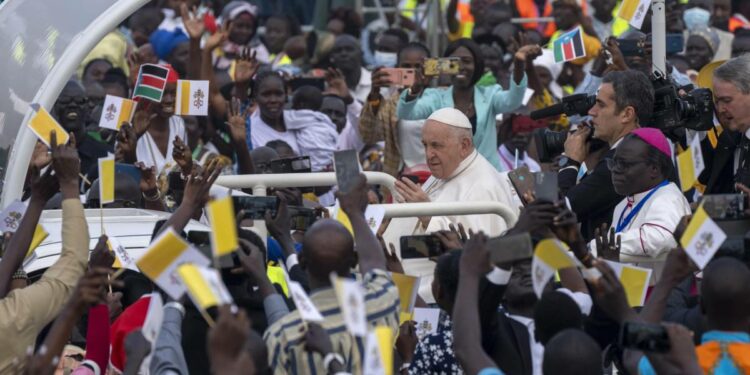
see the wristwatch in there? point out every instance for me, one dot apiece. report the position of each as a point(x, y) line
point(330, 357)
point(568, 162)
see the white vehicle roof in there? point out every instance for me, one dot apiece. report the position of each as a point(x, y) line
point(132, 228)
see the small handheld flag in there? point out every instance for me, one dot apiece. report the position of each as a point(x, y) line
point(152, 79)
point(352, 303)
point(43, 124)
point(107, 179)
point(192, 98)
point(115, 111)
point(122, 258)
point(204, 286)
point(408, 288)
point(634, 11)
point(690, 164)
point(307, 310)
point(378, 358)
point(11, 216)
point(223, 226)
point(569, 46)
point(550, 255)
point(702, 238)
point(162, 258)
point(634, 280)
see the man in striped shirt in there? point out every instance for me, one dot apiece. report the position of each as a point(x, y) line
point(328, 247)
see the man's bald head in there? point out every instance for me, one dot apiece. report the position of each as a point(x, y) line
point(572, 352)
point(262, 155)
point(327, 247)
point(725, 294)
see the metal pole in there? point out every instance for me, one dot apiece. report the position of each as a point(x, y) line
point(451, 208)
point(659, 38)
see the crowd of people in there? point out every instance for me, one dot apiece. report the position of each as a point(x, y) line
point(278, 93)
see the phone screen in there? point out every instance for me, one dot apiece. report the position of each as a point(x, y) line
point(424, 246)
point(645, 337)
point(346, 164)
point(545, 186)
point(255, 208)
point(506, 249)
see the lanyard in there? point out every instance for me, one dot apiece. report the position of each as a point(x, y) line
point(623, 224)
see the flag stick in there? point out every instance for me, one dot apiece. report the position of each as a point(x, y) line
point(208, 318)
point(101, 216)
point(119, 272)
point(109, 283)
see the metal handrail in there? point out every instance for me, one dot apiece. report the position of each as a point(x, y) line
point(451, 208)
point(259, 182)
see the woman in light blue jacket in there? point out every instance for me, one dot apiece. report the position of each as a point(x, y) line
point(479, 104)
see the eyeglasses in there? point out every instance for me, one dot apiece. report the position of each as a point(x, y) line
point(622, 165)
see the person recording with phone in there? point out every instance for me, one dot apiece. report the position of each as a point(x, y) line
point(623, 102)
point(379, 121)
point(479, 103)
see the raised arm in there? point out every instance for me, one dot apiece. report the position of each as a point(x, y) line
point(354, 204)
point(195, 28)
point(467, 344)
point(194, 198)
point(42, 189)
point(217, 102)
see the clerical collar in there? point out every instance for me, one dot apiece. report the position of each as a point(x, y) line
point(617, 143)
point(464, 164)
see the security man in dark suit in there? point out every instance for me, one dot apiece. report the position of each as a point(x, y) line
point(729, 162)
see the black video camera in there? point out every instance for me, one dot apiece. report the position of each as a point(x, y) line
point(693, 111)
point(577, 104)
point(550, 143)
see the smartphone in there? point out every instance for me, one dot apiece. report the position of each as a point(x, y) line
point(508, 249)
point(724, 206)
point(130, 170)
point(422, 246)
point(300, 164)
point(647, 337)
point(401, 77)
point(412, 178)
point(346, 164)
point(675, 43)
point(545, 186)
point(199, 237)
point(522, 180)
point(317, 82)
point(435, 66)
point(255, 208)
point(632, 47)
point(302, 217)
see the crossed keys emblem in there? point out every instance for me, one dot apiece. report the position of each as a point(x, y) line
point(704, 243)
point(110, 112)
point(198, 97)
point(12, 220)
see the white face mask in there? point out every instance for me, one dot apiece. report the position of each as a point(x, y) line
point(696, 18)
point(385, 59)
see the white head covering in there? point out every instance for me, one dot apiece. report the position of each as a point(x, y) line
point(547, 61)
point(452, 117)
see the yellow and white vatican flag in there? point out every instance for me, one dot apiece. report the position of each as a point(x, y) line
point(115, 111)
point(702, 238)
point(550, 255)
point(192, 98)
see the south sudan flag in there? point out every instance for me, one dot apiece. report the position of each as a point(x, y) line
point(569, 46)
point(151, 82)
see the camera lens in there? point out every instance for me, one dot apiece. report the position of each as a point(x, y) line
point(549, 143)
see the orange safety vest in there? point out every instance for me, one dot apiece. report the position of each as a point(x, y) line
point(528, 9)
point(710, 353)
point(738, 22)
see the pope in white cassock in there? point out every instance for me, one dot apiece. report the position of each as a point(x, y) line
point(459, 174)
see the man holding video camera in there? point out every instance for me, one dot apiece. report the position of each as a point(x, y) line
point(624, 100)
point(727, 163)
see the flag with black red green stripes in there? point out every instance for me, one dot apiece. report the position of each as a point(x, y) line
point(569, 46)
point(152, 79)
